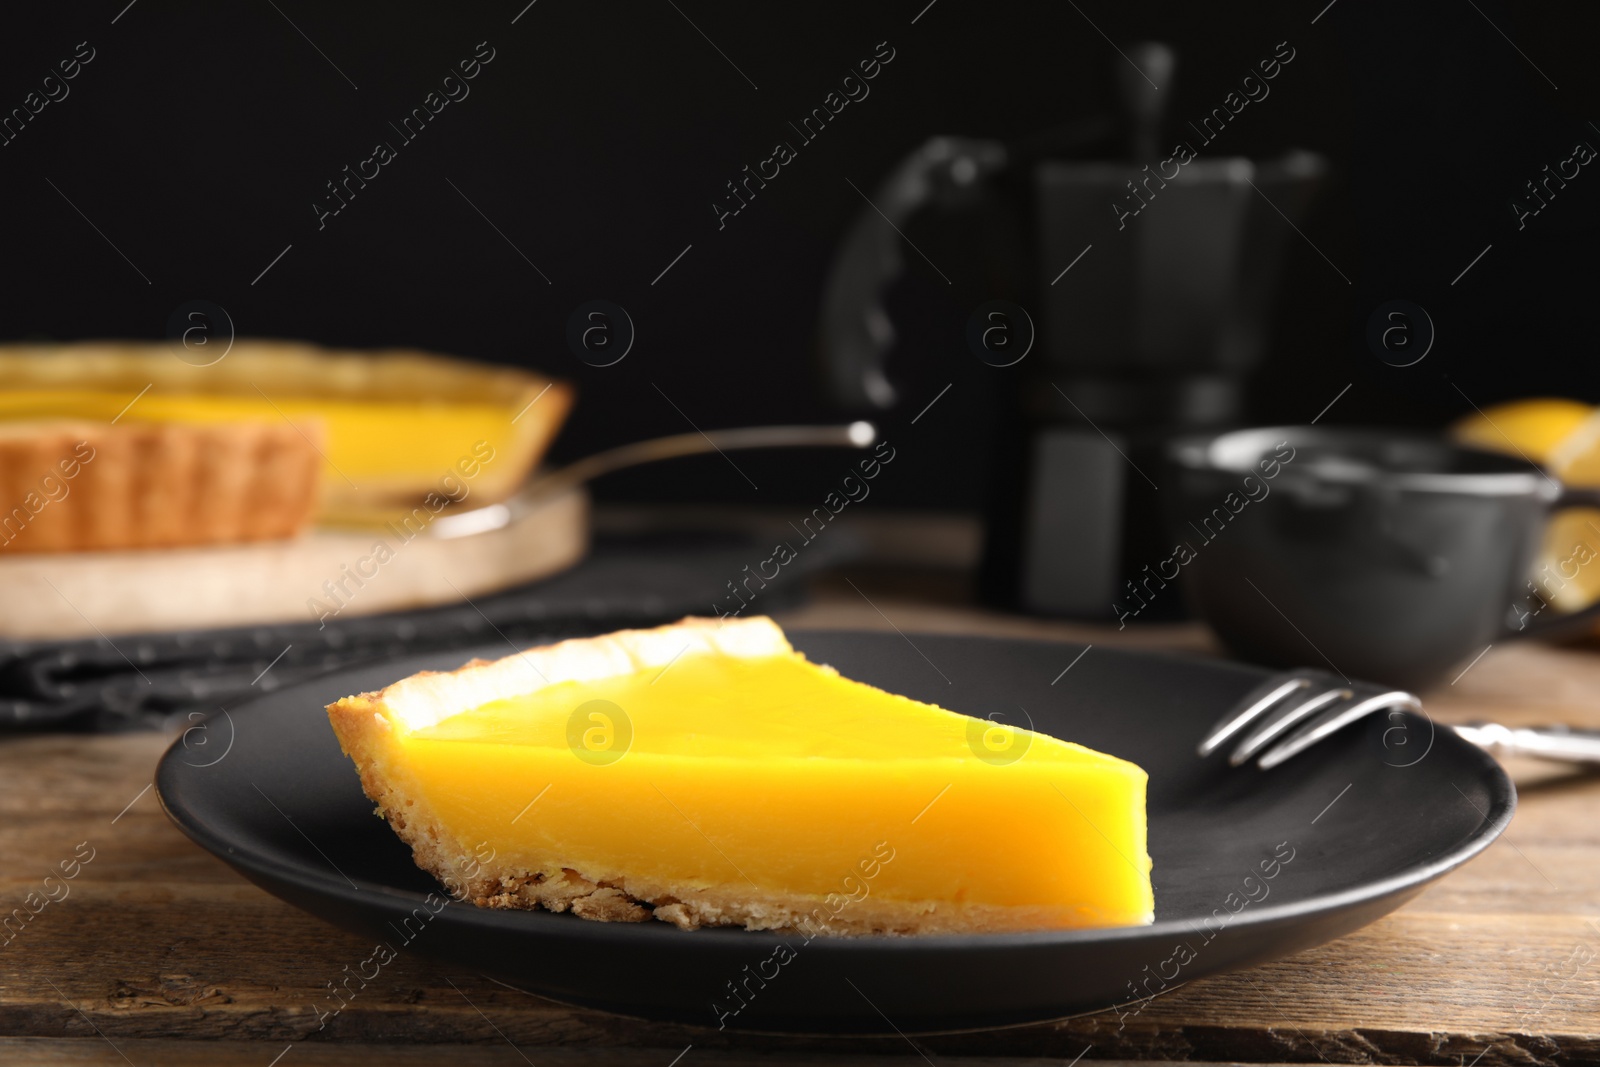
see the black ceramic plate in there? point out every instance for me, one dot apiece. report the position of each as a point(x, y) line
point(1249, 866)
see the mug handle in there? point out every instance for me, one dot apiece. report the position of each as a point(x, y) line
point(1571, 497)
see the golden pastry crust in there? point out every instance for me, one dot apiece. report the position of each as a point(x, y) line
point(73, 486)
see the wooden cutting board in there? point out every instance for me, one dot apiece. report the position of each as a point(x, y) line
point(323, 575)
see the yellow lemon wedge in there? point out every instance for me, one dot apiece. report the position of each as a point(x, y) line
point(1563, 436)
point(1535, 428)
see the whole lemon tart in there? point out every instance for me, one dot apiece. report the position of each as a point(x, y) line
point(708, 774)
point(396, 425)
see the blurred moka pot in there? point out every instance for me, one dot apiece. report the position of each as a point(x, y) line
point(1150, 282)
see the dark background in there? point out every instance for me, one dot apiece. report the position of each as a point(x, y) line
point(200, 135)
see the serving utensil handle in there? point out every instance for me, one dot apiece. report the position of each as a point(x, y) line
point(494, 516)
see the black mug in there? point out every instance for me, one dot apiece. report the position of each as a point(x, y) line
point(1379, 554)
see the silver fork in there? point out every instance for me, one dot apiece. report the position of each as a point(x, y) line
point(1291, 712)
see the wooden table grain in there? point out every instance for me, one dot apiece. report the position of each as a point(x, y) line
point(157, 952)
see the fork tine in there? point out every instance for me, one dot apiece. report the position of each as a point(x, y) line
point(1271, 691)
point(1274, 725)
point(1334, 720)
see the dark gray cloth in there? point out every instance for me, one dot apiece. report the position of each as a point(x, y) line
point(147, 680)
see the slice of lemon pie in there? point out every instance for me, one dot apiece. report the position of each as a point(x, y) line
point(707, 774)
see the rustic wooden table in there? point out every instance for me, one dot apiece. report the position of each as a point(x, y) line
point(160, 954)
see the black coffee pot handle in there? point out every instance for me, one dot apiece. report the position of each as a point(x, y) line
point(1542, 622)
point(856, 333)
